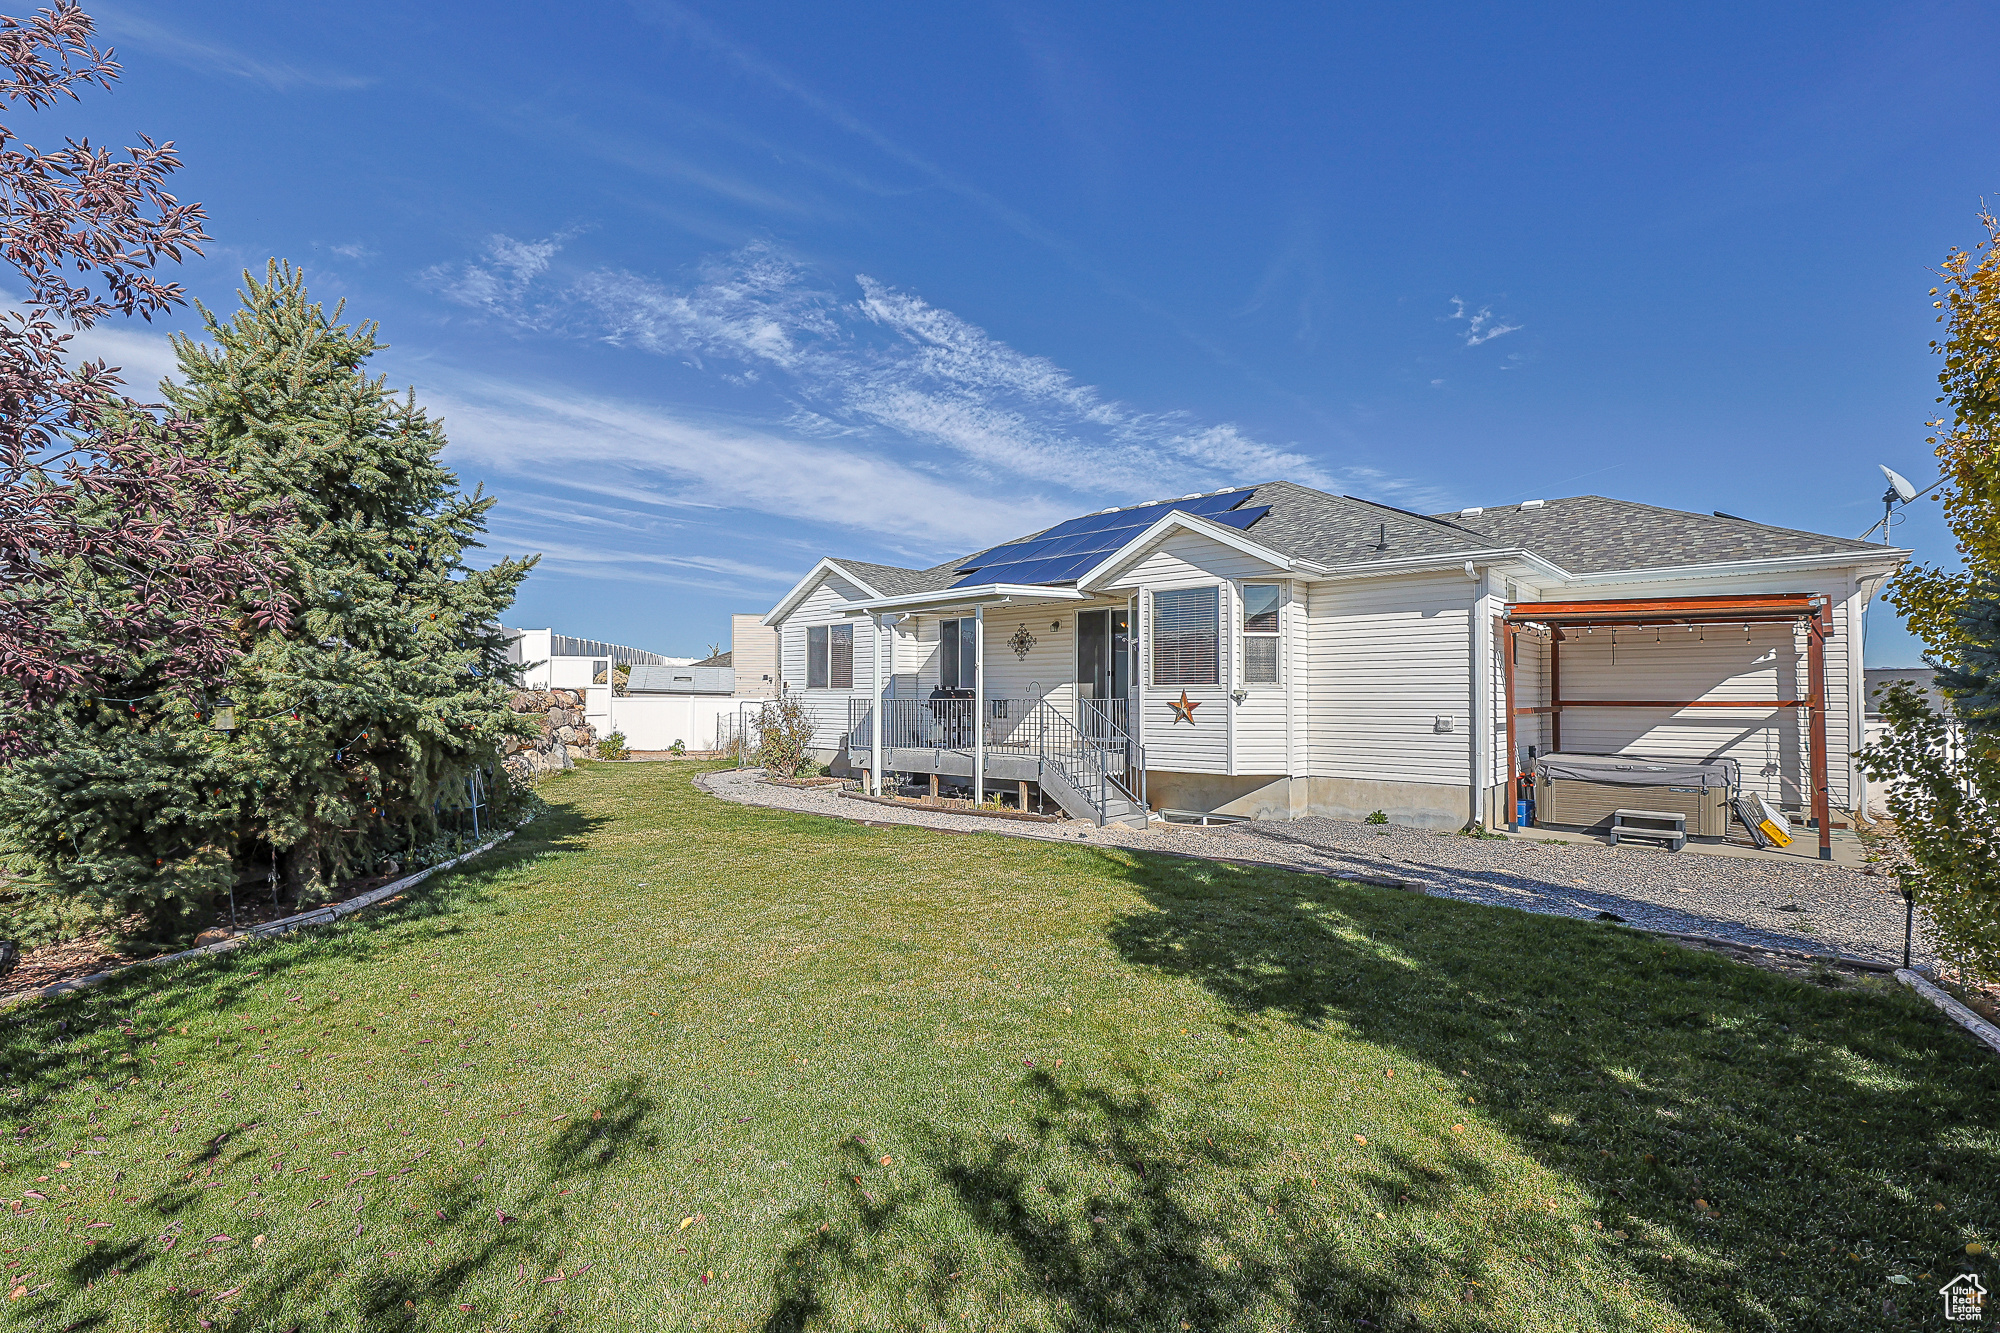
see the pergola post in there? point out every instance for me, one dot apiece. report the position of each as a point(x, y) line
point(979, 706)
point(875, 712)
point(1816, 741)
point(1507, 633)
point(1555, 689)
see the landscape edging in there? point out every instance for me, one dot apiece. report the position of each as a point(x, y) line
point(318, 916)
point(1958, 1013)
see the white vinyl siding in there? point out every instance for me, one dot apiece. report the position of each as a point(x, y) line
point(1390, 657)
point(1225, 738)
point(826, 705)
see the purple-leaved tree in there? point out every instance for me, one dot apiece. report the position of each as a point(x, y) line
point(125, 561)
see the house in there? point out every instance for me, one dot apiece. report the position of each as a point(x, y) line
point(560, 662)
point(753, 653)
point(1276, 651)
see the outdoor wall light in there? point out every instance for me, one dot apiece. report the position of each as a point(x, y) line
point(1054, 625)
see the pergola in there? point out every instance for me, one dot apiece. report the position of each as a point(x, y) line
point(1813, 610)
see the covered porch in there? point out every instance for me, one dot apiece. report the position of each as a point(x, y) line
point(999, 686)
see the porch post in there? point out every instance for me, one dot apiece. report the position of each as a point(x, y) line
point(1507, 632)
point(1816, 673)
point(875, 767)
point(979, 706)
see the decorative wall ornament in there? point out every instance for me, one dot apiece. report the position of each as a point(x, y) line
point(1021, 643)
point(1184, 708)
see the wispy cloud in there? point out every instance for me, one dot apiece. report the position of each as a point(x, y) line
point(1480, 325)
point(657, 457)
point(211, 57)
point(883, 367)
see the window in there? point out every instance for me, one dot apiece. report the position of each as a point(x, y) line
point(958, 654)
point(816, 657)
point(830, 657)
point(1260, 632)
point(840, 671)
point(600, 673)
point(1184, 637)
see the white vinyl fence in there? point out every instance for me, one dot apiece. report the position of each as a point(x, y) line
point(656, 721)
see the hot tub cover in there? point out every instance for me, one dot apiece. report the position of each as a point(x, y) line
point(1635, 770)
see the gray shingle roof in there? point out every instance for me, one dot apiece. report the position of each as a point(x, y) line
point(1584, 534)
point(894, 580)
point(1589, 534)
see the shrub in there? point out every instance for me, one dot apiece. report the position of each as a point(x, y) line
point(1946, 805)
point(784, 731)
point(613, 747)
point(1376, 817)
point(678, 748)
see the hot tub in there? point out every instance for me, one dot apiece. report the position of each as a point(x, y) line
point(1584, 790)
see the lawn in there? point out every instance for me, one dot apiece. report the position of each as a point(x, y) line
point(665, 1062)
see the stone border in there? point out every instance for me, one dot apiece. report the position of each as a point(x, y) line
point(318, 916)
point(899, 803)
point(1958, 1013)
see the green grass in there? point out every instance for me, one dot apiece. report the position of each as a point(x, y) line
point(905, 1080)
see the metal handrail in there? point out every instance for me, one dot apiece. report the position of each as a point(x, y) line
point(1094, 753)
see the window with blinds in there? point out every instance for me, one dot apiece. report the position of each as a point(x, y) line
point(830, 657)
point(1260, 632)
point(1185, 638)
point(840, 655)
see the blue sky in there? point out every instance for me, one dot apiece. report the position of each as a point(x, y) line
point(705, 291)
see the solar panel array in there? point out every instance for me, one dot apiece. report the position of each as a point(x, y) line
point(1068, 550)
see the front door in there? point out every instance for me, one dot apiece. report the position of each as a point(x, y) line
point(1103, 666)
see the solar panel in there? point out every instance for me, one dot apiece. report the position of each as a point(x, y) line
point(1068, 550)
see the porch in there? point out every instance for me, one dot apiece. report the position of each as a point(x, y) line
point(1081, 755)
point(999, 684)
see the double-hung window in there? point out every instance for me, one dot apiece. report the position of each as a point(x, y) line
point(1185, 638)
point(1260, 632)
point(830, 657)
point(958, 654)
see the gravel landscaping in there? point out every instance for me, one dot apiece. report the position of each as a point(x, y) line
point(1775, 904)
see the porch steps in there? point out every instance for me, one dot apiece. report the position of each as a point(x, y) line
point(1119, 808)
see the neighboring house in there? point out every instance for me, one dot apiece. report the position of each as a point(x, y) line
point(1924, 678)
point(753, 652)
point(704, 677)
point(559, 662)
point(1276, 651)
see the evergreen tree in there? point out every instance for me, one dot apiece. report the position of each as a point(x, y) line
point(351, 720)
point(390, 687)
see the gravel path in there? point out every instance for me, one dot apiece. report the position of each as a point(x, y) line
point(1776, 904)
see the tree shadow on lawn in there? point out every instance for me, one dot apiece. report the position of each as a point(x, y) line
point(1818, 1123)
point(1108, 1211)
point(395, 1254)
point(44, 1047)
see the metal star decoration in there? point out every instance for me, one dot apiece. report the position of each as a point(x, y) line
point(1184, 708)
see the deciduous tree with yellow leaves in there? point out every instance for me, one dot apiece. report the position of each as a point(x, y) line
point(1946, 798)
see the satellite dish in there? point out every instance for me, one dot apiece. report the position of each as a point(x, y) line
point(1900, 488)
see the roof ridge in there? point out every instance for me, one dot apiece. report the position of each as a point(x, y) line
point(1689, 513)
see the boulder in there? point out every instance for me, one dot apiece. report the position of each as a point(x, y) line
point(567, 735)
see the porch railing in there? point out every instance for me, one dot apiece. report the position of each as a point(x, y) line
point(1094, 752)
